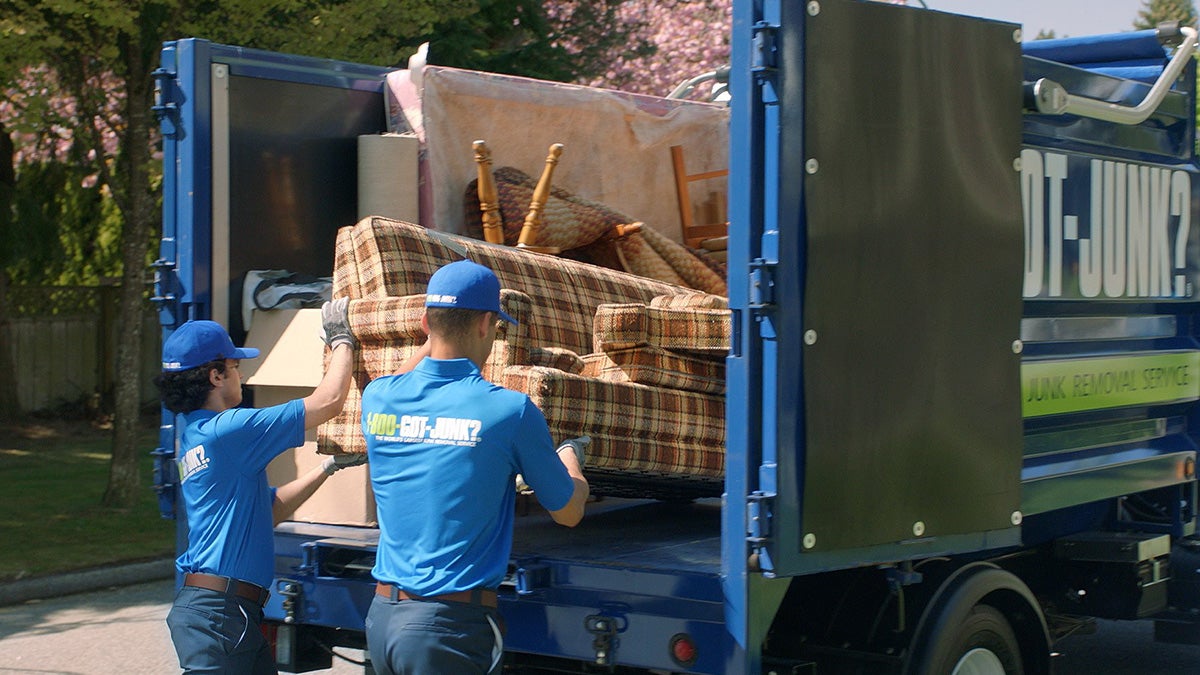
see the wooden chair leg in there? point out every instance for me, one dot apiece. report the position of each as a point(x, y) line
point(489, 200)
point(541, 193)
point(693, 233)
point(681, 189)
point(618, 233)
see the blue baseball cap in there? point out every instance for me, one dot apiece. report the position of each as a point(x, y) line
point(465, 285)
point(195, 343)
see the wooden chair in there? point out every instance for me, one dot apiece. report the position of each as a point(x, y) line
point(489, 200)
point(493, 225)
point(541, 193)
point(696, 233)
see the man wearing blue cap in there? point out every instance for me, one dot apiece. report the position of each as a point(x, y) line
point(445, 446)
point(223, 454)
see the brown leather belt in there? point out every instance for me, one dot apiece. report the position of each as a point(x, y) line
point(475, 596)
point(243, 589)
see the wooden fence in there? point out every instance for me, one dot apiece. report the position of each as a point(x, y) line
point(70, 358)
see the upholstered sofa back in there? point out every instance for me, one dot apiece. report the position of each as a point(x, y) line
point(397, 259)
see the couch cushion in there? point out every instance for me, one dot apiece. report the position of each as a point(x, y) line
point(657, 368)
point(634, 427)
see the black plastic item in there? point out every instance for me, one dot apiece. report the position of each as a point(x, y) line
point(1116, 590)
point(296, 651)
point(1183, 591)
point(908, 217)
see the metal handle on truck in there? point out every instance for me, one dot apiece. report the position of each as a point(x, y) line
point(1048, 96)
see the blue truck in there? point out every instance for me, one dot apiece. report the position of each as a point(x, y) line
point(963, 389)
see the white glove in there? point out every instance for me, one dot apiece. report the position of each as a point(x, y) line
point(576, 445)
point(335, 463)
point(335, 323)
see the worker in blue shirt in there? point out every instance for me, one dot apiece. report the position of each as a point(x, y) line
point(445, 447)
point(222, 457)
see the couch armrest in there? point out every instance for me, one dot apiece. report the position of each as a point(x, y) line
point(690, 300)
point(687, 329)
point(387, 319)
point(395, 321)
point(558, 358)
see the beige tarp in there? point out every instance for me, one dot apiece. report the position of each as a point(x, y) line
point(617, 145)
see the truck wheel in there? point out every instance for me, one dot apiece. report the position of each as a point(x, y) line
point(984, 644)
point(981, 620)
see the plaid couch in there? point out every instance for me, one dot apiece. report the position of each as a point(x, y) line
point(634, 363)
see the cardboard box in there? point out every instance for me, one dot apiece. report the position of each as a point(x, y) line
point(388, 178)
point(289, 367)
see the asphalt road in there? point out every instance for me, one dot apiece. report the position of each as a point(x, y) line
point(107, 632)
point(1124, 648)
point(123, 630)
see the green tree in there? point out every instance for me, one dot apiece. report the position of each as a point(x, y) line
point(8, 182)
point(100, 54)
point(69, 227)
point(1154, 12)
point(104, 51)
point(365, 31)
point(561, 40)
point(83, 44)
point(69, 224)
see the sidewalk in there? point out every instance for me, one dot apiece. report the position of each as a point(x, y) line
point(55, 585)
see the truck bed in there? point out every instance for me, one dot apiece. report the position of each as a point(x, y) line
point(628, 533)
point(683, 537)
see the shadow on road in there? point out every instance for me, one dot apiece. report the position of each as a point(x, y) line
point(131, 604)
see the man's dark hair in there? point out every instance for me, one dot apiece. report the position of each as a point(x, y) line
point(452, 323)
point(187, 390)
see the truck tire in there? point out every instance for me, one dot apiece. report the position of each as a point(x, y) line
point(984, 644)
point(982, 620)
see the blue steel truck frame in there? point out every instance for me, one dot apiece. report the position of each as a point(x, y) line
point(963, 384)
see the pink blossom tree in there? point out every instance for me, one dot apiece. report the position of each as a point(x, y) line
point(64, 154)
point(691, 37)
point(46, 123)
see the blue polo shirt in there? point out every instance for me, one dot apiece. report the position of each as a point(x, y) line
point(445, 446)
point(222, 470)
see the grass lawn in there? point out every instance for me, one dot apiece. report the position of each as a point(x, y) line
point(52, 476)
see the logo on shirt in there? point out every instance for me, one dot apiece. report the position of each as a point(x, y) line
point(192, 462)
point(419, 429)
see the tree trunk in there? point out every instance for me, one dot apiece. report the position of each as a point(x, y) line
point(9, 406)
point(124, 480)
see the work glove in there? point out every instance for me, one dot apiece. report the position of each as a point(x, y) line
point(335, 323)
point(522, 486)
point(335, 463)
point(576, 445)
